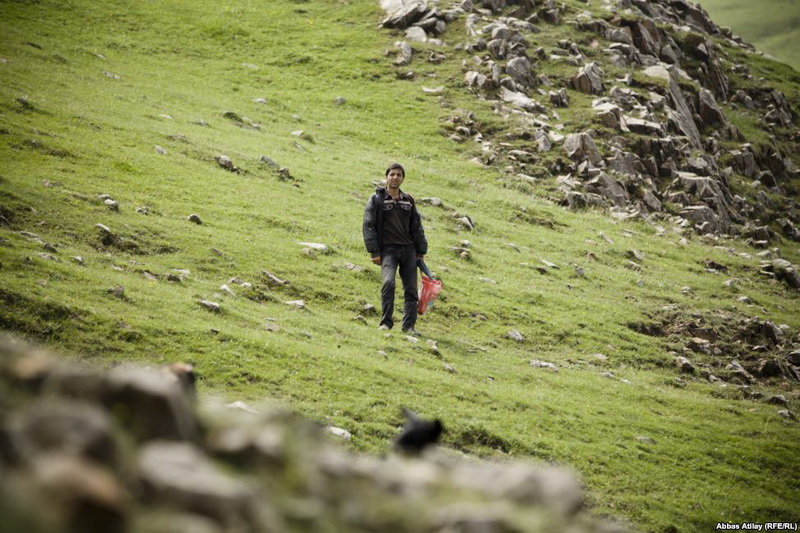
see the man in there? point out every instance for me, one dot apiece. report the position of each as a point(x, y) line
point(394, 236)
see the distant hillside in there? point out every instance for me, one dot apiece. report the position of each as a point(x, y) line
point(772, 26)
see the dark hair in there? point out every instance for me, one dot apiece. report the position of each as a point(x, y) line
point(394, 166)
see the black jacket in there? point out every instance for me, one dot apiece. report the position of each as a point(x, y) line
point(373, 224)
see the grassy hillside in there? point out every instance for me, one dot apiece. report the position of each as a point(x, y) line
point(772, 26)
point(135, 100)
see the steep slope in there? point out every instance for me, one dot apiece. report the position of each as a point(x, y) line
point(114, 121)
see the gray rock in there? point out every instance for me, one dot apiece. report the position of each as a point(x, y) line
point(519, 69)
point(515, 335)
point(778, 399)
point(588, 80)
point(67, 427)
point(525, 484)
point(520, 100)
point(214, 307)
point(709, 111)
point(403, 13)
point(559, 98)
point(643, 127)
point(544, 364)
point(581, 147)
point(680, 113)
point(269, 161)
point(179, 475)
point(195, 218)
point(404, 53)
point(151, 405)
point(415, 34)
point(80, 494)
point(684, 365)
point(609, 188)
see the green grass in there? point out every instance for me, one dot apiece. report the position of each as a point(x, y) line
point(772, 26)
point(82, 133)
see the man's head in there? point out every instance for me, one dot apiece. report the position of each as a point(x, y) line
point(396, 166)
point(395, 175)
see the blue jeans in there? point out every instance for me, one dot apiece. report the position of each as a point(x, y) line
point(404, 258)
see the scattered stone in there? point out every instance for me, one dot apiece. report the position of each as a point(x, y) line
point(778, 399)
point(117, 292)
point(299, 304)
point(645, 440)
point(195, 218)
point(515, 336)
point(787, 414)
point(339, 432)
point(241, 406)
point(315, 246)
point(211, 306)
point(273, 280)
point(353, 267)
point(160, 150)
point(684, 365)
point(544, 364)
point(434, 346)
point(225, 162)
point(111, 204)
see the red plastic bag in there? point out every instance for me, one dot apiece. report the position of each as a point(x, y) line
point(427, 293)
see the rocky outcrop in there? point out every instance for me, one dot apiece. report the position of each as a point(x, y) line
point(667, 113)
point(127, 450)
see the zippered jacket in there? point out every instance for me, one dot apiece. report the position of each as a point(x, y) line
point(373, 223)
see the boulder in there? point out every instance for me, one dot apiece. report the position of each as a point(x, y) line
point(709, 111)
point(559, 98)
point(520, 100)
point(519, 69)
point(680, 113)
point(588, 80)
point(610, 189)
point(179, 475)
point(403, 13)
point(581, 147)
point(80, 494)
point(67, 427)
point(151, 404)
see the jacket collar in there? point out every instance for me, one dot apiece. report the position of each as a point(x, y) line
point(383, 192)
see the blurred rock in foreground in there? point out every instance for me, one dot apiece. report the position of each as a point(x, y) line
point(84, 450)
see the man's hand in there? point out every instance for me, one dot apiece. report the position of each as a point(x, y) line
point(376, 260)
point(420, 257)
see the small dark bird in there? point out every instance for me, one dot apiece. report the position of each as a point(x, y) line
point(417, 433)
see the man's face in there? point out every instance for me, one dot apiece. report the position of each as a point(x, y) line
point(394, 178)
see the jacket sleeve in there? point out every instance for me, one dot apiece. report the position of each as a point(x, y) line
point(369, 227)
point(420, 241)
